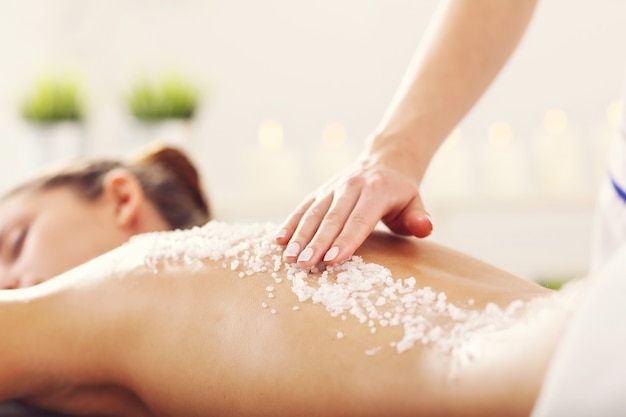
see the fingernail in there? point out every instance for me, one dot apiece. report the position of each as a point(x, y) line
point(306, 255)
point(331, 254)
point(292, 250)
point(281, 233)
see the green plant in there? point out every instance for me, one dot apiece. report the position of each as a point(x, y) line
point(54, 99)
point(555, 283)
point(171, 97)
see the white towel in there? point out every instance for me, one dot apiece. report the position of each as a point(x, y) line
point(587, 376)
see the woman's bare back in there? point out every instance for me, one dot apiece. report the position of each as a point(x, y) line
point(209, 321)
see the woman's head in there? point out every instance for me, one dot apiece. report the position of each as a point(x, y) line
point(80, 210)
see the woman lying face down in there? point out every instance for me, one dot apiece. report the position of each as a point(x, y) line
point(210, 321)
point(85, 208)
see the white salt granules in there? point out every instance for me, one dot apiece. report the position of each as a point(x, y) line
point(248, 249)
point(373, 351)
point(366, 291)
point(374, 297)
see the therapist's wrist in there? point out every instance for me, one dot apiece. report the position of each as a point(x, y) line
point(402, 151)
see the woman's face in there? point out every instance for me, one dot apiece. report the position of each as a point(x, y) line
point(45, 233)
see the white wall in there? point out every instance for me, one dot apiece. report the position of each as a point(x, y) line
point(308, 64)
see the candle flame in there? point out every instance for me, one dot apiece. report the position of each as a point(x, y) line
point(614, 113)
point(270, 135)
point(555, 121)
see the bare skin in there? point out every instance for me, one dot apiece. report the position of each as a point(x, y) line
point(43, 234)
point(465, 48)
point(114, 335)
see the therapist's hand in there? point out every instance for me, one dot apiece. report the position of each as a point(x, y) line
point(333, 222)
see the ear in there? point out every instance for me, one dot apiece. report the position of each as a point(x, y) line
point(124, 191)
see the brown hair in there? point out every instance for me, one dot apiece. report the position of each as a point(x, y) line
point(168, 177)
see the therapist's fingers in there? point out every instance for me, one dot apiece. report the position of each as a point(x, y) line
point(362, 220)
point(412, 220)
point(289, 226)
point(307, 225)
point(393, 200)
point(331, 224)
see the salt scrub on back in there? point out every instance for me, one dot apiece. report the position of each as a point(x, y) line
point(365, 291)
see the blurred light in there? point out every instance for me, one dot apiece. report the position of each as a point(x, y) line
point(271, 135)
point(555, 121)
point(335, 135)
point(453, 139)
point(500, 134)
point(614, 113)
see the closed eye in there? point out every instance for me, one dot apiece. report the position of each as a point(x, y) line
point(17, 241)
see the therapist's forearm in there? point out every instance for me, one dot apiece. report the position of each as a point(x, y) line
point(468, 43)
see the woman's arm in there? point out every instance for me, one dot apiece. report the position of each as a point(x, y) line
point(60, 341)
point(467, 44)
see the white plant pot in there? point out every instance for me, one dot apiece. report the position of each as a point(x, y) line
point(56, 142)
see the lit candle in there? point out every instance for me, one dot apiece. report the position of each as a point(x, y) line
point(451, 175)
point(333, 156)
point(503, 163)
point(599, 139)
point(272, 175)
point(561, 158)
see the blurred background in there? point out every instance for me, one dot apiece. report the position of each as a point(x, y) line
point(272, 98)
